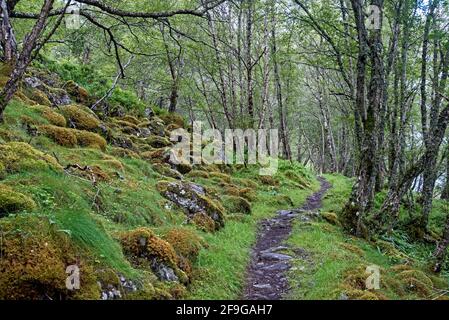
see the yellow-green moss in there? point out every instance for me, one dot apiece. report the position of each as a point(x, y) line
point(198, 174)
point(204, 222)
point(330, 217)
point(158, 142)
point(131, 119)
point(12, 201)
point(269, 180)
point(156, 155)
point(52, 116)
point(142, 243)
point(234, 204)
point(34, 261)
point(185, 242)
point(173, 118)
point(20, 156)
point(90, 140)
point(78, 92)
point(62, 136)
point(39, 97)
point(80, 117)
point(220, 176)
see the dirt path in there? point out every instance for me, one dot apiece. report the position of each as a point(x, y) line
point(267, 271)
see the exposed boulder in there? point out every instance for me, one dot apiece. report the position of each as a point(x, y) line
point(192, 198)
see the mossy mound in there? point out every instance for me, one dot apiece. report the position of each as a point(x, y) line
point(204, 222)
point(185, 242)
point(72, 137)
point(158, 142)
point(80, 117)
point(51, 116)
point(234, 204)
point(165, 170)
point(20, 156)
point(156, 155)
point(12, 201)
point(173, 119)
point(146, 250)
point(130, 119)
point(77, 92)
point(269, 180)
point(330, 217)
point(34, 261)
point(38, 96)
point(222, 177)
point(62, 136)
point(198, 174)
point(300, 181)
point(416, 281)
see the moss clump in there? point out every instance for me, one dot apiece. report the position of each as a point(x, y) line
point(71, 137)
point(20, 156)
point(165, 170)
point(90, 140)
point(247, 183)
point(124, 153)
point(173, 118)
point(220, 176)
point(234, 204)
point(330, 217)
point(77, 92)
point(204, 222)
point(185, 242)
point(269, 180)
point(39, 97)
point(158, 142)
point(52, 116)
point(198, 174)
point(416, 281)
point(35, 256)
point(80, 117)
point(12, 201)
point(62, 136)
point(131, 119)
point(157, 155)
point(283, 200)
point(142, 246)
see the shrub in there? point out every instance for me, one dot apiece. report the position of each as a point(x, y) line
point(12, 201)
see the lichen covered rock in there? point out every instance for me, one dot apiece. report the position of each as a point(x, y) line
point(192, 198)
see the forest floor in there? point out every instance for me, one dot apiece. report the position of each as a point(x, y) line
point(267, 271)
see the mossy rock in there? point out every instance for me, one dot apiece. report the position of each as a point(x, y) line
point(192, 198)
point(269, 180)
point(416, 281)
point(20, 156)
point(198, 174)
point(12, 201)
point(173, 119)
point(330, 217)
point(72, 137)
point(156, 155)
point(131, 119)
point(185, 242)
point(204, 222)
point(235, 204)
point(165, 170)
point(77, 92)
point(145, 249)
point(50, 115)
point(124, 153)
point(90, 140)
point(80, 117)
point(35, 256)
point(62, 136)
point(222, 177)
point(158, 142)
point(246, 183)
point(39, 97)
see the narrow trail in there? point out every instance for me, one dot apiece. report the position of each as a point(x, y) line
point(267, 270)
